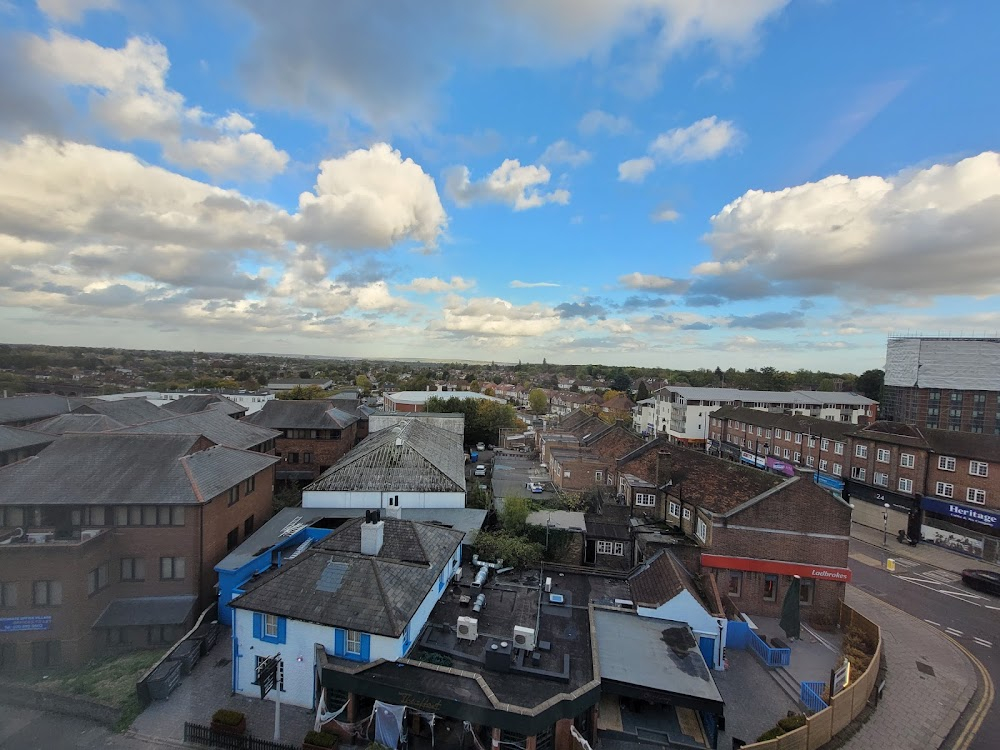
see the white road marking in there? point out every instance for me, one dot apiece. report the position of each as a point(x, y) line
point(952, 631)
point(981, 642)
point(989, 607)
point(935, 624)
point(933, 586)
point(961, 593)
point(945, 576)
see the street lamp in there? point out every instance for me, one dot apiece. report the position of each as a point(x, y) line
point(885, 525)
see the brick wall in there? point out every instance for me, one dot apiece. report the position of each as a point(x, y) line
point(961, 480)
point(324, 453)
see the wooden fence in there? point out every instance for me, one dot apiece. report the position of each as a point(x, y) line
point(202, 735)
point(844, 706)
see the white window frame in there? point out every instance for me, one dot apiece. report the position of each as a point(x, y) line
point(599, 476)
point(907, 460)
point(604, 547)
point(946, 463)
point(812, 442)
point(858, 472)
point(838, 448)
point(823, 464)
point(687, 514)
point(838, 470)
point(824, 444)
point(788, 454)
point(880, 478)
point(944, 489)
point(974, 495)
point(905, 485)
point(352, 642)
point(701, 530)
point(798, 438)
point(645, 499)
point(797, 457)
point(883, 455)
point(271, 626)
point(810, 461)
point(788, 434)
point(674, 509)
point(979, 468)
point(861, 451)
point(281, 671)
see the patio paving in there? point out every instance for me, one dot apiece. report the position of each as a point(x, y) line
point(754, 700)
point(813, 656)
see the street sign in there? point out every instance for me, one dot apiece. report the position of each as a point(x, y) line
point(839, 678)
point(267, 674)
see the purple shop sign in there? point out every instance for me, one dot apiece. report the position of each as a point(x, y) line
point(781, 466)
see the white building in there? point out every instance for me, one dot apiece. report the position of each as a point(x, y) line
point(412, 464)
point(417, 400)
point(644, 416)
point(361, 594)
point(682, 412)
point(252, 402)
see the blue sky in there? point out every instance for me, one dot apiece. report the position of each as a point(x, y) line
point(651, 182)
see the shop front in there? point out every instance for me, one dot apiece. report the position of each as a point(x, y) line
point(962, 528)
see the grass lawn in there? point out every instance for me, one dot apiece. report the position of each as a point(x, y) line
point(110, 680)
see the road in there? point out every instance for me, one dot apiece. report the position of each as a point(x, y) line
point(939, 598)
point(23, 728)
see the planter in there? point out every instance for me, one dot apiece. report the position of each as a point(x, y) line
point(320, 741)
point(234, 730)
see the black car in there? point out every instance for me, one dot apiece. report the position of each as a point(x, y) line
point(986, 581)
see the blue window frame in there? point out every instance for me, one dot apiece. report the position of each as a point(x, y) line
point(269, 628)
point(352, 644)
point(406, 639)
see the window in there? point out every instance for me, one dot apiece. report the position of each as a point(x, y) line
point(946, 463)
point(271, 626)
point(797, 457)
point(838, 469)
point(767, 432)
point(979, 468)
point(822, 464)
point(598, 476)
point(759, 432)
point(806, 592)
point(674, 509)
point(171, 568)
point(292, 458)
point(47, 593)
point(159, 634)
point(777, 450)
point(152, 515)
point(97, 579)
point(906, 485)
point(281, 671)
point(11, 517)
point(810, 461)
point(687, 514)
point(645, 499)
point(812, 442)
point(249, 485)
point(882, 455)
point(906, 460)
point(770, 587)
point(788, 435)
point(45, 654)
point(354, 642)
point(610, 548)
point(232, 539)
point(858, 472)
point(735, 582)
point(701, 530)
point(133, 569)
point(861, 451)
point(798, 438)
point(8, 594)
point(307, 458)
point(94, 516)
point(824, 444)
point(881, 479)
point(943, 489)
point(248, 527)
point(149, 515)
point(788, 453)
point(838, 448)
point(234, 494)
point(976, 496)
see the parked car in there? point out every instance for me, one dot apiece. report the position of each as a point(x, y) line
point(480, 470)
point(982, 580)
point(535, 487)
point(480, 446)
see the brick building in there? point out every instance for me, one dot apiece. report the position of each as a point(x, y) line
point(109, 540)
point(314, 435)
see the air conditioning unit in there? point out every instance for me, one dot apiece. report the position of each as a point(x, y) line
point(468, 628)
point(524, 638)
point(548, 585)
point(457, 575)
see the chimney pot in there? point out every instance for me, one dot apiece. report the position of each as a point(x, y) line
point(663, 465)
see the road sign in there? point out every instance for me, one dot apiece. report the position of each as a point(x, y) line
point(267, 674)
point(839, 678)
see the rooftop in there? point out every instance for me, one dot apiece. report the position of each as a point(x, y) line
point(813, 398)
point(213, 424)
point(318, 414)
point(713, 483)
point(14, 438)
point(422, 397)
point(979, 446)
point(659, 580)
point(35, 407)
point(201, 401)
point(128, 411)
point(791, 422)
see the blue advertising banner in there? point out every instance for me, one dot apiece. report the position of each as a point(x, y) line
point(21, 624)
point(831, 483)
point(954, 510)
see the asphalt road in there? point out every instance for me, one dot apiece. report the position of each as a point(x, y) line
point(939, 598)
point(24, 728)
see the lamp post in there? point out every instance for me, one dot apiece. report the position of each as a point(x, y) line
point(885, 525)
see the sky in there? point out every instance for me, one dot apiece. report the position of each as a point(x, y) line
point(659, 183)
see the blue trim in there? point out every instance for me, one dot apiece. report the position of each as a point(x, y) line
point(406, 640)
point(282, 629)
point(259, 632)
point(339, 642)
point(258, 626)
point(366, 647)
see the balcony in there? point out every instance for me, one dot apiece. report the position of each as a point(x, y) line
point(38, 537)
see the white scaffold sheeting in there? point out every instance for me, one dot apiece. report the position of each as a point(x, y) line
point(961, 364)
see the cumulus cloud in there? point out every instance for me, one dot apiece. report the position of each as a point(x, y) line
point(597, 121)
point(652, 283)
point(635, 170)
point(128, 94)
point(434, 285)
point(664, 214)
point(769, 320)
point(73, 10)
point(510, 183)
point(706, 139)
point(587, 308)
point(564, 152)
point(530, 284)
point(370, 198)
point(496, 317)
point(918, 232)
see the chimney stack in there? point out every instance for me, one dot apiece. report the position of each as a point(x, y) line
point(392, 509)
point(662, 468)
point(372, 533)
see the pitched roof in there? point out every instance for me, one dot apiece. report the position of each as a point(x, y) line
point(213, 424)
point(659, 580)
point(76, 423)
point(411, 456)
point(14, 438)
point(319, 414)
point(791, 422)
point(715, 484)
point(111, 468)
point(943, 442)
point(128, 411)
point(35, 407)
point(146, 610)
point(334, 584)
point(202, 401)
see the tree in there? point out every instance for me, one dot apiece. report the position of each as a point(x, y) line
point(303, 393)
point(490, 392)
point(621, 381)
point(642, 392)
point(483, 417)
point(362, 382)
point(304, 374)
point(537, 401)
point(514, 516)
point(869, 383)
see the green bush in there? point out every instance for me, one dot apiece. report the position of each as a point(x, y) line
point(515, 551)
point(228, 717)
point(792, 722)
point(770, 734)
point(321, 739)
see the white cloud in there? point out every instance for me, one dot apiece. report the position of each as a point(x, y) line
point(510, 183)
point(705, 139)
point(564, 152)
point(73, 10)
point(932, 231)
point(497, 317)
point(664, 213)
point(598, 121)
point(635, 170)
point(651, 282)
point(129, 95)
point(531, 284)
point(434, 284)
point(370, 198)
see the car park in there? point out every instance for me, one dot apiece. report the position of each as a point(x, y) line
point(480, 470)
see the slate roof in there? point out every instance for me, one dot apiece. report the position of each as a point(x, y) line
point(812, 398)
point(76, 423)
point(412, 456)
point(333, 584)
point(980, 446)
point(213, 424)
point(35, 407)
point(128, 411)
point(111, 468)
point(146, 610)
point(318, 414)
point(201, 401)
point(15, 438)
point(659, 580)
point(715, 484)
point(791, 422)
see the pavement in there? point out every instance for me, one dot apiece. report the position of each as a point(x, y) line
point(754, 701)
point(925, 552)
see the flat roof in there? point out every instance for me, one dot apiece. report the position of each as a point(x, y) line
point(559, 519)
point(652, 654)
point(814, 398)
point(421, 397)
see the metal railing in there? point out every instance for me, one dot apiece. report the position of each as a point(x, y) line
point(810, 694)
point(771, 657)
